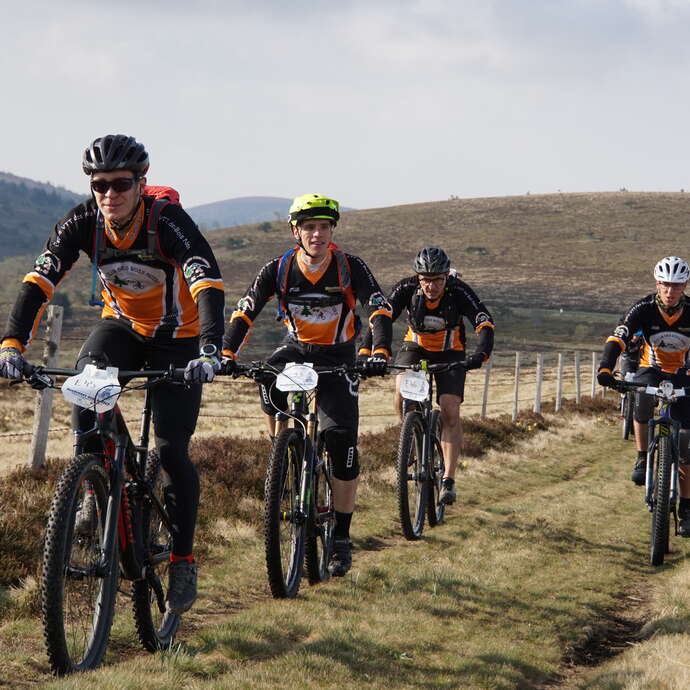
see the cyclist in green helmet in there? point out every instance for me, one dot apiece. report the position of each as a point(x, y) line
point(317, 286)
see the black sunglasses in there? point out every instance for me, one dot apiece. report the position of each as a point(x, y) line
point(119, 184)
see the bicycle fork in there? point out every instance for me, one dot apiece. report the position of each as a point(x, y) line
point(665, 429)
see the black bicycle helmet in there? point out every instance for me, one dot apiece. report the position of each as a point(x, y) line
point(431, 260)
point(115, 152)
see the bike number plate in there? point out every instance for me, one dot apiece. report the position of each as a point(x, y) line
point(297, 377)
point(414, 386)
point(93, 388)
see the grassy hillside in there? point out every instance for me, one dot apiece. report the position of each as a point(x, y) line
point(28, 209)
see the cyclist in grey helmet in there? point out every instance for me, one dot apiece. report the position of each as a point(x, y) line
point(437, 302)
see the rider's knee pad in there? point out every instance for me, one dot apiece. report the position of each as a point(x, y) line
point(644, 407)
point(342, 447)
point(684, 446)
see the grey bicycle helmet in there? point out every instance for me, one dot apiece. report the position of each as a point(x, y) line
point(115, 152)
point(431, 260)
point(671, 269)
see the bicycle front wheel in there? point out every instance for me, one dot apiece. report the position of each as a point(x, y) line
point(412, 479)
point(284, 528)
point(627, 409)
point(77, 596)
point(321, 528)
point(437, 467)
point(156, 626)
point(662, 501)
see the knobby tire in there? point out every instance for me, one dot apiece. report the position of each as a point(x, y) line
point(412, 485)
point(284, 532)
point(321, 526)
point(435, 510)
point(156, 626)
point(77, 604)
point(662, 501)
point(627, 410)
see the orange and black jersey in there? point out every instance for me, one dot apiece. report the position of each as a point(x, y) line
point(315, 308)
point(175, 293)
point(438, 326)
point(666, 339)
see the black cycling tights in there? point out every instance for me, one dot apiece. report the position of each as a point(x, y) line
point(175, 411)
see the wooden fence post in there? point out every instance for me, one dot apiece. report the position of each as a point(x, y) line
point(516, 388)
point(485, 396)
point(594, 373)
point(577, 378)
point(559, 382)
point(540, 376)
point(44, 398)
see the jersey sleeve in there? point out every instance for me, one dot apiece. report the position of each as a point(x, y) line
point(398, 299)
point(620, 339)
point(182, 241)
point(375, 304)
point(479, 316)
point(248, 309)
point(70, 235)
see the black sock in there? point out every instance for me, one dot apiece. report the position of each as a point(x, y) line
point(641, 454)
point(342, 525)
point(684, 503)
point(448, 482)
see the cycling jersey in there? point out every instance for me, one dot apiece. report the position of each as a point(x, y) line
point(175, 293)
point(438, 326)
point(666, 338)
point(316, 310)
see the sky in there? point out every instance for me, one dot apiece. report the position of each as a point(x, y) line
point(373, 102)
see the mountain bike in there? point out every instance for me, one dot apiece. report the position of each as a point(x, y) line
point(420, 464)
point(108, 520)
point(299, 517)
point(661, 479)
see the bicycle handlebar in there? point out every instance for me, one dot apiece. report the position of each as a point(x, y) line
point(40, 377)
point(423, 365)
point(257, 369)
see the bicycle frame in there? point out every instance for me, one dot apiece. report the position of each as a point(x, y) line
point(664, 426)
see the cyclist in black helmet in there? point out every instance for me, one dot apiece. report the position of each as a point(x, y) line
point(163, 303)
point(436, 301)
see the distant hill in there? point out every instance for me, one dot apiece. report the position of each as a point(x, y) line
point(240, 211)
point(243, 210)
point(28, 210)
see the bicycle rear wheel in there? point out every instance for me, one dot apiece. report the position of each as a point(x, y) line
point(77, 599)
point(627, 409)
point(662, 501)
point(437, 466)
point(412, 482)
point(156, 626)
point(284, 528)
point(321, 527)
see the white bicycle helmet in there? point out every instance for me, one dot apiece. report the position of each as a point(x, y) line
point(671, 269)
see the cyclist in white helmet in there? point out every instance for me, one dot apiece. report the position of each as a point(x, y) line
point(663, 318)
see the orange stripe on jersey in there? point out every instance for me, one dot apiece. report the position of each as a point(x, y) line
point(381, 312)
point(200, 285)
point(483, 324)
point(313, 276)
point(46, 286)
point(669, 362)
point(243, 316)
point(132, 233)
point(671, 319)
point(37, 320)
point(434, 341)
point(612, 338)
point(12, 342)
point(318, 333)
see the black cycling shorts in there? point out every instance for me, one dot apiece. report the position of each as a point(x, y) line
point(644, 404)
point(338, 395)
point(452, 381)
